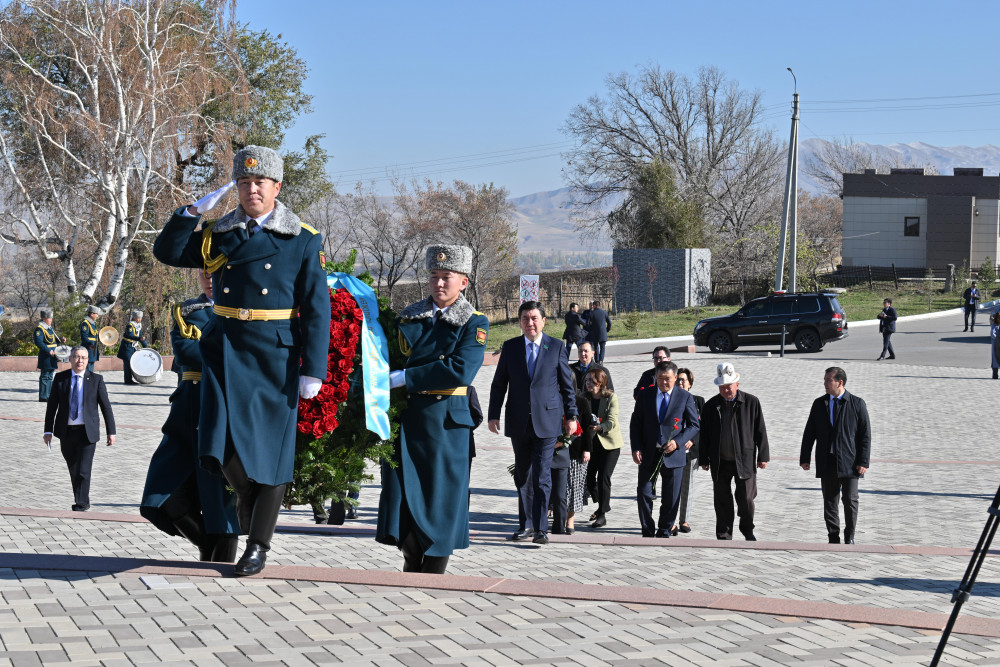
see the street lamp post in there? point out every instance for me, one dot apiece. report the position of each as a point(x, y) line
point(789, 211)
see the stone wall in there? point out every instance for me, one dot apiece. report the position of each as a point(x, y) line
point(683, 278)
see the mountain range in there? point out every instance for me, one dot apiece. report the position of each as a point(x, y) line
point(545, 224)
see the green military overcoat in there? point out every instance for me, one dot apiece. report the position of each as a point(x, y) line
point(428, 492)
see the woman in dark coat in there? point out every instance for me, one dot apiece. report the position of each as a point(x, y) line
point(685, 380)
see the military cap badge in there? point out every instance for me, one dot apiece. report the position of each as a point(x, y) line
point(442, 256)
point(250, 162)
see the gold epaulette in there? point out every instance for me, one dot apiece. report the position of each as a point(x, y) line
point(187, 330)
point(404, 345)
point(476, 312)
point(211, 264)
point(308, 228)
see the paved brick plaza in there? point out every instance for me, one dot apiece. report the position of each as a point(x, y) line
point(104, 587)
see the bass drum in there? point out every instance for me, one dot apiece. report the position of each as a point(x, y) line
point(147, 366)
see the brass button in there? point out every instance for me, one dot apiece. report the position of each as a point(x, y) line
point(440, 397)
point(225, 290)
point(441, 357)
point(267, 266)
point(264, 291)
point(229, 266)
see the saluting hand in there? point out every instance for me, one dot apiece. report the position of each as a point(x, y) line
point(209, 201)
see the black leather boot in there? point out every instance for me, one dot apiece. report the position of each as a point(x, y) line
point(413, 555)
point(221, 550)
point(265, 517)
point(191, 527)
point(434, 564)
point(245, 488)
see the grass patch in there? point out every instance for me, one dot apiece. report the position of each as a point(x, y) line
point(860, 304)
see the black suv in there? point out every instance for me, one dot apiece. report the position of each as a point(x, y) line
point(811, 319)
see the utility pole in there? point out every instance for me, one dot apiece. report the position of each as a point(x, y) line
point(789, 213)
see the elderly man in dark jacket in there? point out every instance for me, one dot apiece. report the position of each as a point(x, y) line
point(733, 445)
point(839, 425)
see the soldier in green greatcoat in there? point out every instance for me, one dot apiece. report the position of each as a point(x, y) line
point(181, 497)
point(424, 504)
point(268, 343)
point(132, 340)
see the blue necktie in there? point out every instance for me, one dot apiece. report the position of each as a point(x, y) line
point(663, 406)
point(532, 358)
point(74, 398)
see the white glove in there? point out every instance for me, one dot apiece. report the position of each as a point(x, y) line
point(309, 386)
point(209, 201)
point(397, 379)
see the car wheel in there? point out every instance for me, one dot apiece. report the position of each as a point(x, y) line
point(720, 342)
point(807, 340)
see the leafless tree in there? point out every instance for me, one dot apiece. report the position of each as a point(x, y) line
point(698, 127)
point(833, 159)
point(98, 99)
point(820, 225)
point(481, 218)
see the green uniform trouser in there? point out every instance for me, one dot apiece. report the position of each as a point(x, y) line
point(45, 385)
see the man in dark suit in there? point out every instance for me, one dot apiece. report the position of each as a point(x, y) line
point(662, 423)
point(573, 333)
point(534, 368)
point(648, 377)
point(887, 327)
point(733, 445)
point(838, 423)
point(585, 363)
point(71, 414)
point(970, 299)
point(598, 326)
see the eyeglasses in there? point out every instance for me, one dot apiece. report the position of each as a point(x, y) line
point(79, 357)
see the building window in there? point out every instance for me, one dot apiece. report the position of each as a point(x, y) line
point(911, 226)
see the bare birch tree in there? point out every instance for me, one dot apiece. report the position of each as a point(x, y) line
point(832, 159)
point(99, 99)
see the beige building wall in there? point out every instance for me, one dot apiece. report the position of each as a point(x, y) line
point(873, 231)
point(986, 232)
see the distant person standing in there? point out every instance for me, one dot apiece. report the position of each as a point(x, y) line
point(132, 340)
point(887, 326)
point(46, 341)
point(838, 423)
point(573, 334)
point(970, 298)
point(598, 326)
point(648, 377)
point(88, 336)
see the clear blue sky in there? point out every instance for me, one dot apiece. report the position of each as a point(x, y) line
point(479, 91)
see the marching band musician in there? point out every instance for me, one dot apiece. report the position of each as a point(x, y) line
point(46, 341)
point(88, 336)
point(132, 340)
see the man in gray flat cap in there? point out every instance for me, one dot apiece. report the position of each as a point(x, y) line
point(132, 339)
point(88, 336)
point(268, 343)
point(424, 505)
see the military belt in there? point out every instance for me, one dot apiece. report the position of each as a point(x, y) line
point(247, 314)
point(457, 391)
point(191, 376)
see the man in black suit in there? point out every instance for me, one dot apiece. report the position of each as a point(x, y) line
point(662, 423)
point(970, 298)
point(648, 377)
point(733, 445)
point(534, 368)
point(585, 363)
point(573, 333)
point(887, 327)
point(71, 414)
point(598, 326)
point(838, 423)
